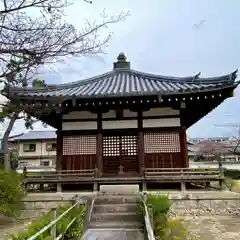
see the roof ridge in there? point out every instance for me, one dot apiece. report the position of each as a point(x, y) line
point(162, 77)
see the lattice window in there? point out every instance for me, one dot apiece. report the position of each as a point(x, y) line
point(111, 146)
point(79, 145)
point(161, 142)
point(129, 145)
point(120, 145)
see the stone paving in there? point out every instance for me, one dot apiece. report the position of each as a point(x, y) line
point(214, 227)
point(211, 220)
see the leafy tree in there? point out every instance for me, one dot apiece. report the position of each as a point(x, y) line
point(29, 41)
point(13, 111)
point(210, 150)
point(13, 159)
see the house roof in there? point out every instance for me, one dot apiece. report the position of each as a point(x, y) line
point(36, 135)
point(123, 81)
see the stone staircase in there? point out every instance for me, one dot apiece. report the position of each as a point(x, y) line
point(115, 216)
point(116, 211)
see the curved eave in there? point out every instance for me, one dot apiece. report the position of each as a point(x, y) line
point(125, 83)
point(181, 80)
point(128, 94)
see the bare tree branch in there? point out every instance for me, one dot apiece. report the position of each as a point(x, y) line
point(47, 38)
point(27, 42)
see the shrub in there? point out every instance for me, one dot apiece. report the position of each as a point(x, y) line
point(11, 193)
point(235, 174)
point(175, 229)
point(165, 228)
point(160, 204)
point(75, 231)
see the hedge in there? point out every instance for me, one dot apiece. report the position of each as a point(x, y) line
point(11, 193)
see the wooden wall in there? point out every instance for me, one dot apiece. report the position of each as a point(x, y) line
point(79, 152)
point(154, 138)
point(154, 118)
point(162, 150)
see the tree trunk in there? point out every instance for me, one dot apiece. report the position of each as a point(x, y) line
point(7, 164)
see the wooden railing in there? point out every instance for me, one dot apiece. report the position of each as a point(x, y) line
point(181, 173)
point(147, 174)
point(55, 220)
point(91, 210)
point(147, 219)
point(59, 176)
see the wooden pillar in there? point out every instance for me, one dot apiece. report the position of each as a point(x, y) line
point(184, 149)
point(59, 150)
point(59, 156)
point(99, 153)
point(140, 141)
point(99, 149)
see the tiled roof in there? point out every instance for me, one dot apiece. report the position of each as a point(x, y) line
point(123, 81)
point(36, 135)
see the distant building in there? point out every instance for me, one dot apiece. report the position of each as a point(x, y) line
point(212, 139)
point(207, 149)
point(35, 149)
point(191, 151)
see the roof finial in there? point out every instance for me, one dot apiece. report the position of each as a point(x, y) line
point(121, 57)
point(121, 62)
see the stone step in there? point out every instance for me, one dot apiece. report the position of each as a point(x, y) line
point(116, 225)
point(123, 207)
point(117, 234)
point(122, 189)
point(116, 216)
point(116, 199)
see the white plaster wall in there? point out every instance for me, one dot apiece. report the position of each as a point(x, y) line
point(110, 114)
point(79, 115)
point(79, 126)
point(128, 113)
point(164, 122)
point(161, 112)
point(120, 124)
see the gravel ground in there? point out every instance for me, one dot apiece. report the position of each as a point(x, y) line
point(214, 228)
point(8, 228)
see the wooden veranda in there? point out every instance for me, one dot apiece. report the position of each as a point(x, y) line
point(147, 176)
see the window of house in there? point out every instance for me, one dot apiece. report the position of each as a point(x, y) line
point(45, 163)
point(23, 164)
point(29, 147)
point(51, 146)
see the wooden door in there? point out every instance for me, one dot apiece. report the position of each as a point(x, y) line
point(120, 150)
point(129, 153)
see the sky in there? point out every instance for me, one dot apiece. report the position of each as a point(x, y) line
point(167, 37)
